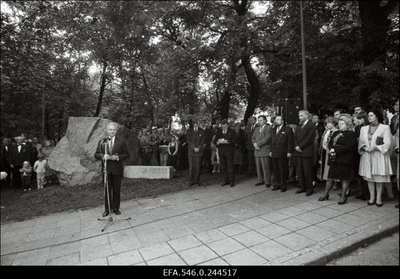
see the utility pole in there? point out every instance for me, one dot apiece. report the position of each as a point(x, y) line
point(43, 104)
point(303, 57)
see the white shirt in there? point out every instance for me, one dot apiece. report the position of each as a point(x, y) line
point(41, 166)
point(278, 129)
point(111, 143)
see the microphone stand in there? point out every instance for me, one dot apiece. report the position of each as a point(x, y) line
point(105, 182)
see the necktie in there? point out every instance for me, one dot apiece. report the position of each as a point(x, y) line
point(111, 144)
point(278, 129)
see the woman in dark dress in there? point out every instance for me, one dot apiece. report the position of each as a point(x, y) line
point(342, 145)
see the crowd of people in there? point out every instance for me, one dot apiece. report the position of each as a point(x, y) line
point(341, 148)
point(24, 162)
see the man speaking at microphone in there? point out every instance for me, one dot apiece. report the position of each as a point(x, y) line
point(113, 150)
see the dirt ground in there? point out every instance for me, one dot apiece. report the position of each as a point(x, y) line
point(384, 252)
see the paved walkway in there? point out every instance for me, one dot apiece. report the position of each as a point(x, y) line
point(213, 225)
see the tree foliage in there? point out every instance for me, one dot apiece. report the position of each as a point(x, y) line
point(141, 62)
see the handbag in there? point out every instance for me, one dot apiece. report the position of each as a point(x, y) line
point(379, 141)
point(331, 158)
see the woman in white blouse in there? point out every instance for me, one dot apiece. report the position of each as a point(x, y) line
point(374, 146)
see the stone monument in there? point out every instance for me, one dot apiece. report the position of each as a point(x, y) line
point(73, 158)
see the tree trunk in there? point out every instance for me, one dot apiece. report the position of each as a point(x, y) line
point(223, 105)
point(102, 88)
point(255, 88)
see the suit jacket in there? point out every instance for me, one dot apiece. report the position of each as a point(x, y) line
point(18, 158)
point(394, 123)
point(226, 148)
point(263, 140)
point(345, 146)
point(195, 140)
point(5, 155)
point(120, 149)
point(281, 143)
point(304, 138)
point(249, 137)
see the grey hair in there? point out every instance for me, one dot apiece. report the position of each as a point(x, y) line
point(112, 124)
point(305, 112)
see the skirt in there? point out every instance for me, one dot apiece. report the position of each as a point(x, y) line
point(341, 171)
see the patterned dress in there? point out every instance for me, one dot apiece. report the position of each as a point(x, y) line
point(375, 166)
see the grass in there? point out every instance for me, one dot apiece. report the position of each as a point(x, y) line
point(18, 205)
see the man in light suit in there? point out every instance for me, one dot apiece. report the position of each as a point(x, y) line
point(249, 131)
point(112, 149)
point(261, 142)
point(195, 139)
point(281, 151)
point(304, 136)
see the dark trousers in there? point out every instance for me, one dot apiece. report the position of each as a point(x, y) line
point(195, 168)
point(304, 171)
point(26, 181)
point(114, 192)
point(226, 162)
point(16, 177)
point(251, 161)
point(147, 156)
point(206, 161)
point(281, 171)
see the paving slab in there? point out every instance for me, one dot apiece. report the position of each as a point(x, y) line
point(213, 225)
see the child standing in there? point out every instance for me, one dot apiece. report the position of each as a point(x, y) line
point(26, 173)
point(173, 151)
point(40, 168)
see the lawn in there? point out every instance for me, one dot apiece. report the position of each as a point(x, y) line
point(18, 205)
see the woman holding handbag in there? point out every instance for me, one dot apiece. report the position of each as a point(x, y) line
point(342, 146)
point(374, 146)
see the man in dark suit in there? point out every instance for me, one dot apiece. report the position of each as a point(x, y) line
point(112, 151)
point(195, 139)
point(225, 140)
point(281, 151)
point(394, 122)
point(18, 154)
point(304, 136)
point(249, 144)
point(208, 135)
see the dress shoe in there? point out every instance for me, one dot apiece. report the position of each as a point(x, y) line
point(299, 191)
point(117, 212)
point(105, 213)
point(379, 204)
point(224, 184)
point(324, 198)
point(341, 202)
point(370, 203)
point(309, 193)
point(276, 187)
point(283, 189)
point(232, 184)
point(267, 185)
point(259, 183)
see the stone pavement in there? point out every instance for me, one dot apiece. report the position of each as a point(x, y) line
point(212, 225)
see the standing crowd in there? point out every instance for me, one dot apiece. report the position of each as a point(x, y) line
point(360, 147)
point(23, 163)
